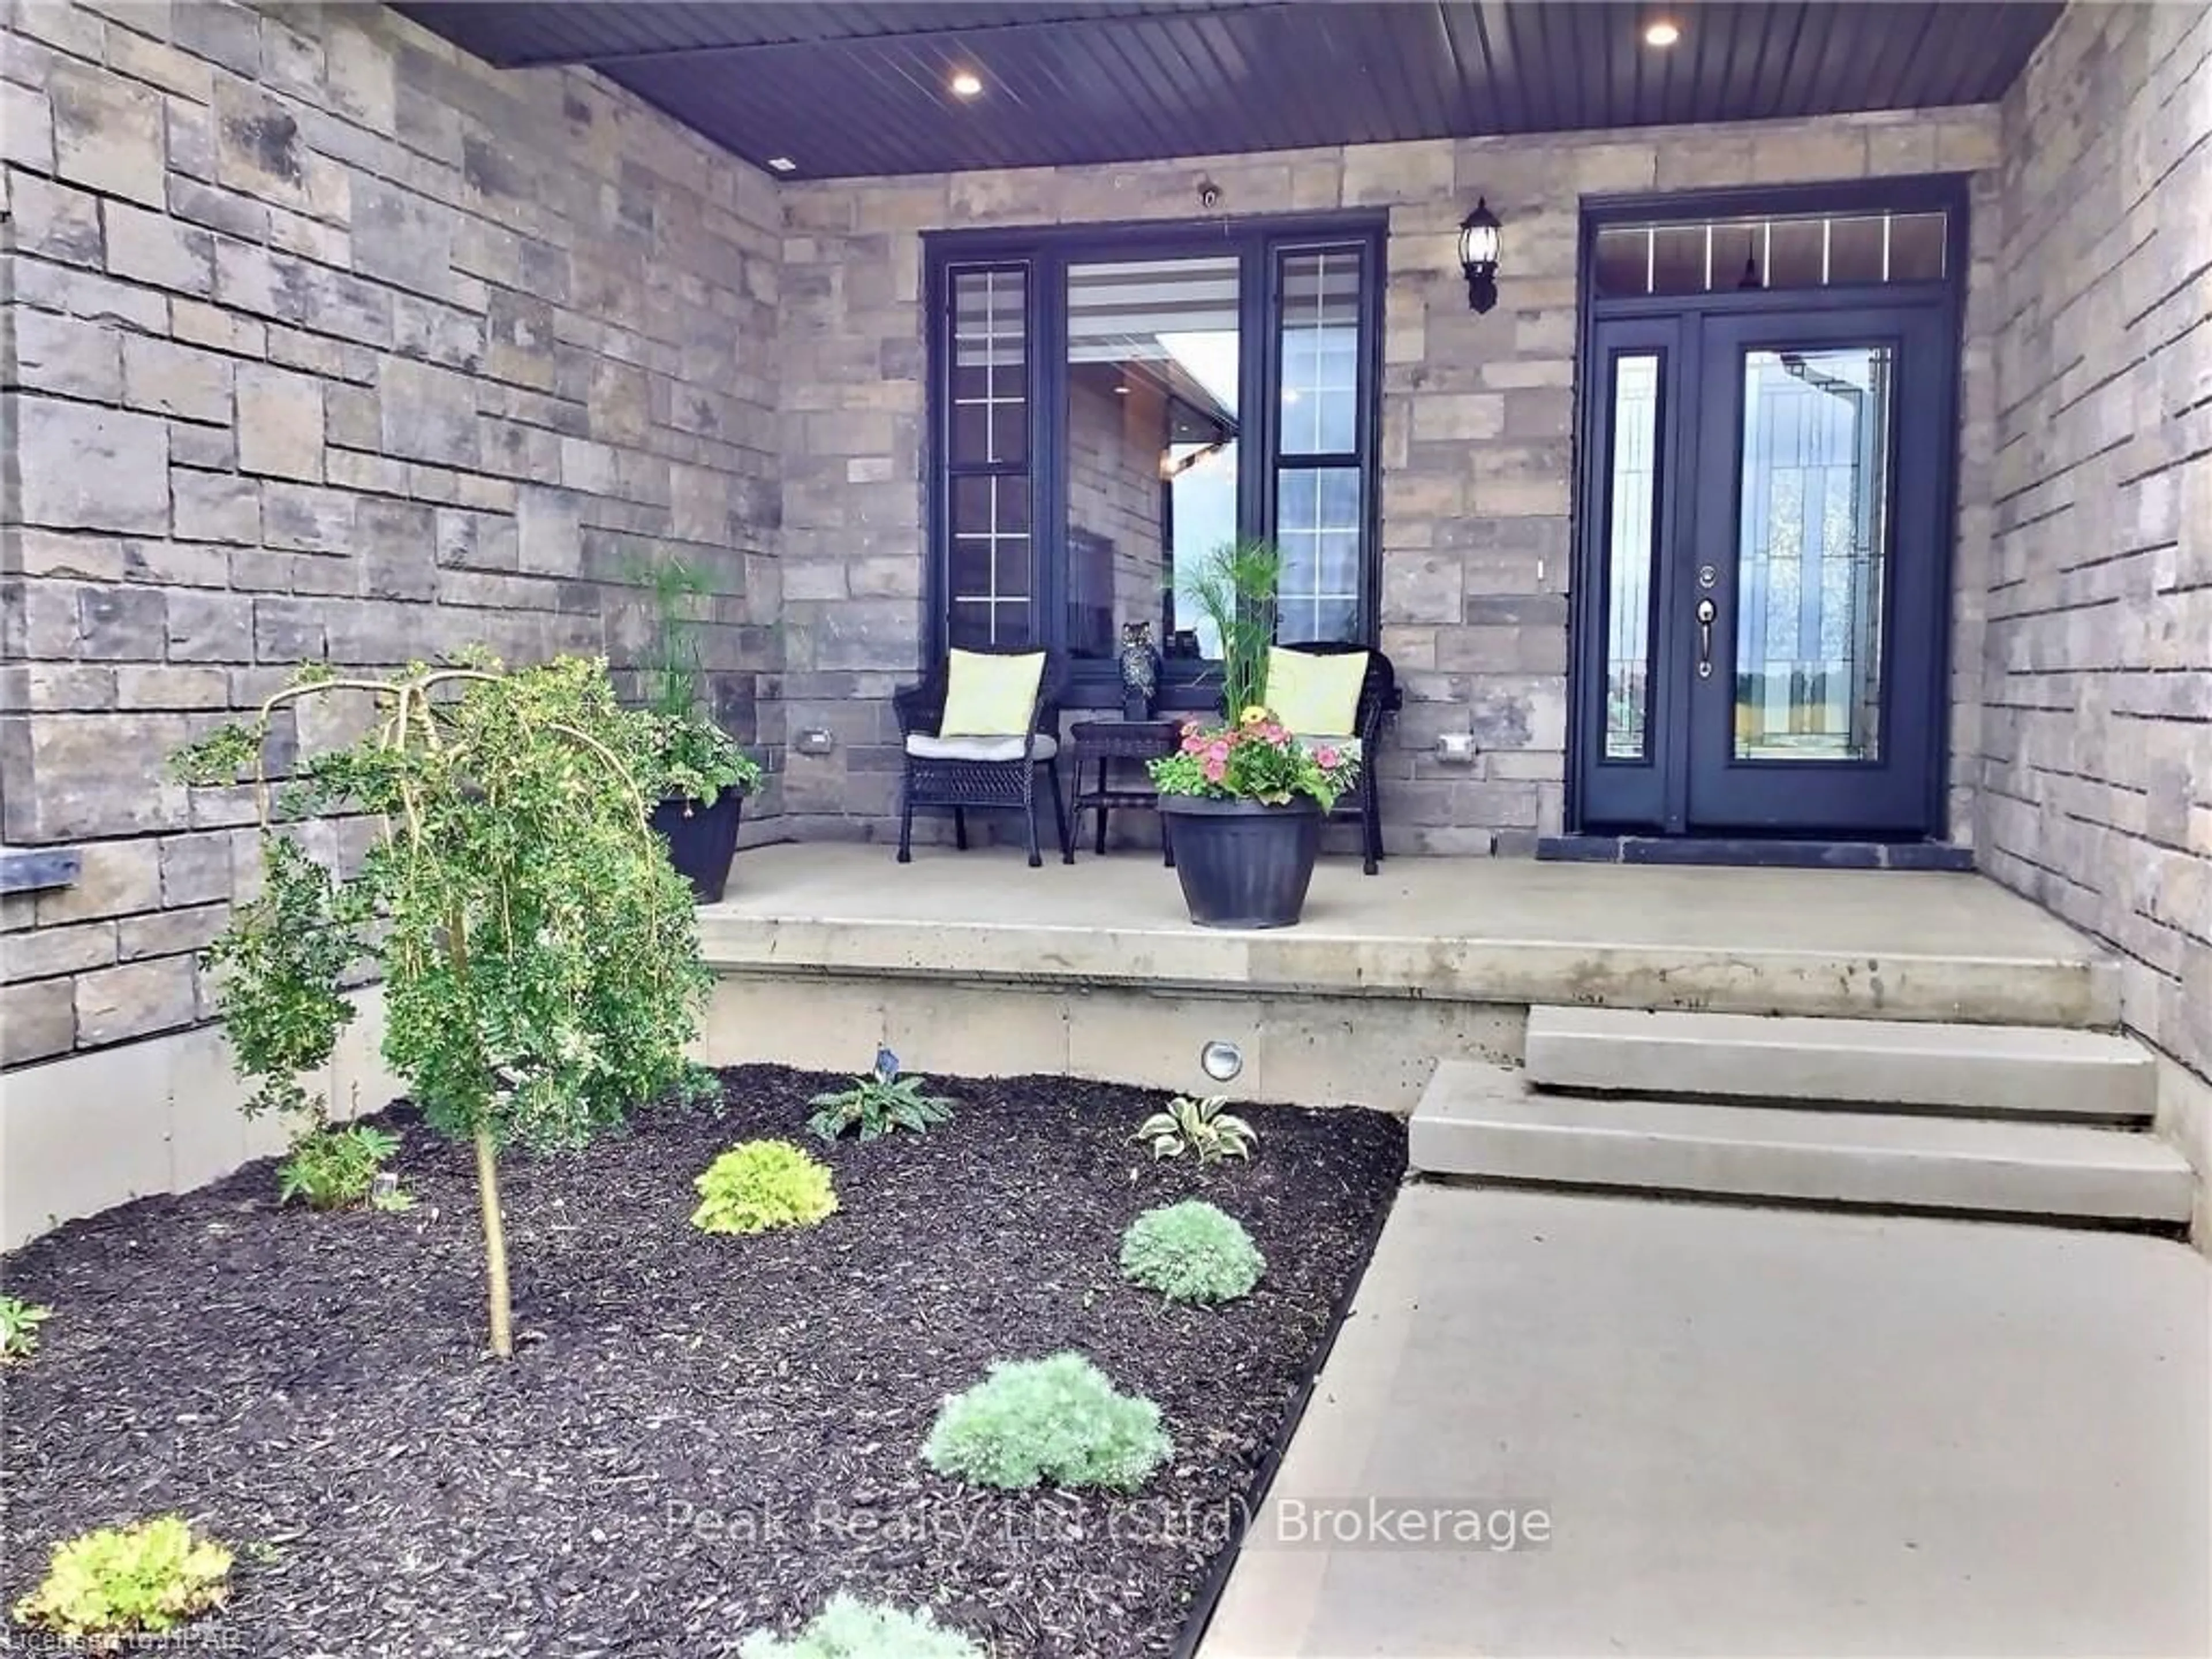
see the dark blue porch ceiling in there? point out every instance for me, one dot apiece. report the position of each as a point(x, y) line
point(849, 89)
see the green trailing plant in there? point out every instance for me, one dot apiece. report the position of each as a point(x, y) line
point(760, 1185)
point(540, 964)
point(1233, 589)
point(692, 757)
point(877, 1103)
point(334, 1169)
point(1191, 1252)
point(109, 1586)
point(849, 1629)
point(19, 1328)
point(1206, 1128)
point(1056, 1419)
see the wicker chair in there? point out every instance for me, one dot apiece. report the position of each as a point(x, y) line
point(985, 773)
point(1379, 699)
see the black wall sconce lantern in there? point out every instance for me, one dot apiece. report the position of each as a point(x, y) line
point(1477, 255)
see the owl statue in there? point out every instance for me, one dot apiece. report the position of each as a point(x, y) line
point(1140, 669)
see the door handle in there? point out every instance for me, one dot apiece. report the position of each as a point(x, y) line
point(1706, 611)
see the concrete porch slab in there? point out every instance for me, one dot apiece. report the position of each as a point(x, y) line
point(1753, 1432)
point(1856, 943)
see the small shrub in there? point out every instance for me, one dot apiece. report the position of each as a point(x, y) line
point(848, 1629)
point(334, 1169)
point(1191, 1252)
point(1056, 1419)
point(1205, 1127)
point(760, 1185)
point(19, 1328)
point(878, 1102)
point(120, 1582)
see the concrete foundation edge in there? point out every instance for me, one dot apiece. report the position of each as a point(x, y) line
point(84, 1134)
point(1300, 1050)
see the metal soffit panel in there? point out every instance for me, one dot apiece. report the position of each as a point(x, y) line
point(845, 90)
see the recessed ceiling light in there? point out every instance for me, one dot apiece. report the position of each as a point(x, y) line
point(966, 83)
point(783, 164)
point(1664, 33)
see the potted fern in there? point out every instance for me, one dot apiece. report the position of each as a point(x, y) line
point(1244, 797)
point(701, 776)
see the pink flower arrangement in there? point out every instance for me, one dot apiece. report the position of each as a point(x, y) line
point(1255, 757)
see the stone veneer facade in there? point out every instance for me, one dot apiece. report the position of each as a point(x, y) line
point(2095, 791)
point(1478, 414)
point(325, 340)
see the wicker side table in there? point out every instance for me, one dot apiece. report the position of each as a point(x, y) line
point(1128, 743)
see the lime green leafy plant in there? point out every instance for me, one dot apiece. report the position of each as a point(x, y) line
point(850, 1629)
point(19, 1328)
point(692, 757)
point(334, 1169)
point(540, 964)
point(760, 1185)
point(1191, 1252)
point(118, 1583)
point(1056, 1419)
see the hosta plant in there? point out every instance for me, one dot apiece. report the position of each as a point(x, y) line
point(1056, 1419)
point(119, 1583)
point(1191, 1252)
point(334, 1169)
point(849, 1629)
point(760, 1185)
point(1205, 1127)
point(19, 1328)
point(540, 966)
point(877, 1103)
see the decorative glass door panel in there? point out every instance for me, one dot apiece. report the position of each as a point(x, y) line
point(1812, 545)
point(1631, 499)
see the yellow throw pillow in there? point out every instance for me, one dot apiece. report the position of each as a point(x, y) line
point(989, 695)
point(1317, 695)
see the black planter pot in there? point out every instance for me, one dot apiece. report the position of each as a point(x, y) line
point(701, 840)
point(1243, 863)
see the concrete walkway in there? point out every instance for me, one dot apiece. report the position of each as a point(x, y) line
point(1747, 1431)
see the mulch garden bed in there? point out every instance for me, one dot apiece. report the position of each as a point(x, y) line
point(698, 1436)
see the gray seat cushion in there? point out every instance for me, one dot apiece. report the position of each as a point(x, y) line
point(980, 749)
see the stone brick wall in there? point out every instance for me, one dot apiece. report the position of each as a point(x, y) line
point(2096, 788)
point(1478, 417)
point(326, 341)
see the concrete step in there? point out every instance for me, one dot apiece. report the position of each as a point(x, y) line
point(1484, 1121)
point(2010, 1070)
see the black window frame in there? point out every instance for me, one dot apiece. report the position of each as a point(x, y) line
point(1043, 254)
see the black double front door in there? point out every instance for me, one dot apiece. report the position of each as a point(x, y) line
point(1763, 569)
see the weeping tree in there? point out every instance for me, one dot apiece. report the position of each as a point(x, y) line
point(540, 965)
